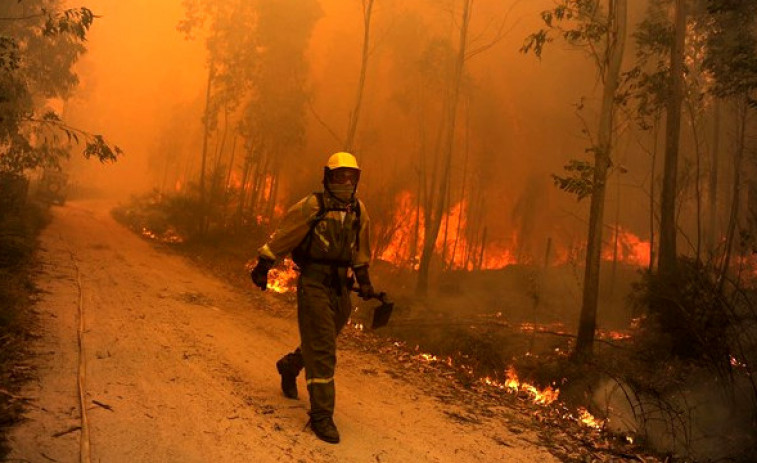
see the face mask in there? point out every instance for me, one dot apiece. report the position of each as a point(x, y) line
point(342, 192)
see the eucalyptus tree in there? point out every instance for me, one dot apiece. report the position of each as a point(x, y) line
point(598, 28)
point(230, 44)
point(256, 76)
point(40, 41)
point(732, 60)
point(276, 111)
point(668, 229)
point(447, 61)
point(349, 143)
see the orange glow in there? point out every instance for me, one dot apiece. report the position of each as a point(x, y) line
point(459, 253)
point(169, 236)
point(632, 250)
point(283, 278)
point(456, 249)
point(234, 181)
point(514, 386)
point(587, 419)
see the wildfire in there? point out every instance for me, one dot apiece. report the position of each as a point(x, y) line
point(453, 241)
point(463, 246)
point(631, 249)
point(283, 279)
point(514, 386)
point(168, 236)
point(587, 419)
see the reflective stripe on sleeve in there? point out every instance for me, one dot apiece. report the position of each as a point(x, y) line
point(319, 381)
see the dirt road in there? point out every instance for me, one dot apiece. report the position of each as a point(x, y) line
point(180, 368)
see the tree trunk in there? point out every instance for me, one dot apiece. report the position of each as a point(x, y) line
point(735, 200)
point(652, 190)
point(205, 137)
point(712, 232)
point(463, 204)
point(694, 121)
point(349, 142)
point(244, 190)
point(616, 46)
point(432, 229)
point(668, 253)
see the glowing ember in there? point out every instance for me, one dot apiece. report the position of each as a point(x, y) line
point(283, 278)
point(613, 335)
point(168, 236)
point(430, 358)
point(587, 419)
point(736, 363)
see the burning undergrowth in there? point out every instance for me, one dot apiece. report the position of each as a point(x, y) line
point(509, 332)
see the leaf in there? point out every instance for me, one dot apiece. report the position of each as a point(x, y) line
point(580, 178)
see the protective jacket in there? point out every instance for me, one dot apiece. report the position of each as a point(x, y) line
point(320, 229)
point(325, 237)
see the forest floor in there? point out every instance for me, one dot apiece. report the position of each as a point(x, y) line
point(180, 368)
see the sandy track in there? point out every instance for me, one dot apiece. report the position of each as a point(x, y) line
point(187, 364)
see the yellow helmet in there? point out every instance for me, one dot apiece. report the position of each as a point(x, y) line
point(342, 160)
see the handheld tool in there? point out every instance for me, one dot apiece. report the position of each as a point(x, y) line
point(383, 312)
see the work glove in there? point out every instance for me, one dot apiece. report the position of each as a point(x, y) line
point(365, 288)
point(259, 274)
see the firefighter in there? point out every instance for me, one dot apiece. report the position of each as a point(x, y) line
point(327, 235)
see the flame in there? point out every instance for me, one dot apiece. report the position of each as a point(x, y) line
point(178, 186)
point(514, 386)
point(235, 181)
point(461, 250)
point(456, 248)
point(631, 250)
point(587, 419)
point(283, 278)
point(613, 335)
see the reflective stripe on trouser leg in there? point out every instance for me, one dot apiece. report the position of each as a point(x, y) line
point(321, 313)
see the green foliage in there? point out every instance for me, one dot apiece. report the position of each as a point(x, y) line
point(580, 23)
point(646, 86)
point(580, 178)
point(39, 43)
point(75, 22)
point(691, 314)
point(732, 44)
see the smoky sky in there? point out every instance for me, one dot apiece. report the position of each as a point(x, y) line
point(143, 84)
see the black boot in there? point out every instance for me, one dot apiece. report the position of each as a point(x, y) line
point(325, 429)
point(288, 374)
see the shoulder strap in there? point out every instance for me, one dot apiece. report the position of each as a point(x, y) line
point(318, 217)
point(321, 209)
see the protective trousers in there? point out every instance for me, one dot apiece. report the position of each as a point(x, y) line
point(323, 308)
